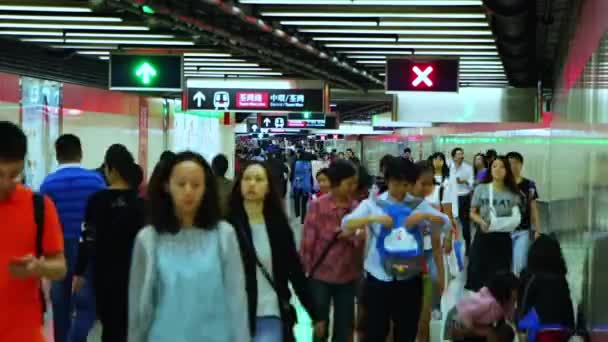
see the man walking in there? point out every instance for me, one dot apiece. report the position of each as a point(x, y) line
point(70, 187)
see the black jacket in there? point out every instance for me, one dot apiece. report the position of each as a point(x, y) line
point(286, 268)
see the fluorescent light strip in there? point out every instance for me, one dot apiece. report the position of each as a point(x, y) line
point(366, 2)
point(213, 60)
point(411, 46)
point(190, 68)
point(34, 8)
point(105, 58)
point(95, 47)
point(206, 54)
point(354, 39)
point(328, 23)
point(17, 25)
point(223, 64)
point(481, 67)
point(43, 40)
point(422, 53)
point(93, 52)
point(265, 73)
point(127, 42)
point(395, 23)
point(119, 35)
point(480, 58)
point(371, 62)
point(445, 40)
point(31, 33)
point(59, 18)
point(374, 15)
point(393, 32)
point(469, 62)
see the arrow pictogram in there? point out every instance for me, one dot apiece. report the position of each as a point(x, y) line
point(145, 72)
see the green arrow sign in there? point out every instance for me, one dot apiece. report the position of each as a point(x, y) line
point(145, 72)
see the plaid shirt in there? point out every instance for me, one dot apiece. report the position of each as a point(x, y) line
point(344, 262)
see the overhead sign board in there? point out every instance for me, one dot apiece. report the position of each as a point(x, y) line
point(269, 100)
point(306, 120)
point(439, 75)
point(135, 72)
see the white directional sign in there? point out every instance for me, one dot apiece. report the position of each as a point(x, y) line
point(273, 121)
point(279, 122)
point(267, 122)
point(199, 98)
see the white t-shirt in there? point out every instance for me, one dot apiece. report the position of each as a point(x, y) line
point(268, 302)
point(448, 192)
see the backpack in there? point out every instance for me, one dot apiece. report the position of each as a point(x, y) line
point(400, 249)
point(302, 180)
point(38, 201)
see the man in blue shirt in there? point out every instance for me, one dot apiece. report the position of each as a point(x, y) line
point(70, 187)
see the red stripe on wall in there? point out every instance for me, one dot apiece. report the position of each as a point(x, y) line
point(9, 88)
point(99, 100)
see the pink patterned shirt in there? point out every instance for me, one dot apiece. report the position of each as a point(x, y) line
point(344, 262)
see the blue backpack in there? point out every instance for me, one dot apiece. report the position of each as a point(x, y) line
point(400, 249)
point(302, 180)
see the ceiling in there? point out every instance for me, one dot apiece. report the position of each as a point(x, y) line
point(343, 41)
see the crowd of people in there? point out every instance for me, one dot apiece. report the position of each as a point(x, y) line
point(195, 256)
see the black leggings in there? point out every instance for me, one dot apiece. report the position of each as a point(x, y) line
point(300, 200)
point(399, 302)
point(464, 215)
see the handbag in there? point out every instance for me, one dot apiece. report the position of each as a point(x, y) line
point(503, 224)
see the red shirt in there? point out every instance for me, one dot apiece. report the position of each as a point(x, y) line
point(20, 304)
point(343, 263)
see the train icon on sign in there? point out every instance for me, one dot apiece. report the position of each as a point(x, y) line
point(221, 100)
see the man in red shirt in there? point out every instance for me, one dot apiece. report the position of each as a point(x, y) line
point(20, 269)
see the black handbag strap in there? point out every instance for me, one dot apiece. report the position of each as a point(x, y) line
point(525, 296)
point(319, 261)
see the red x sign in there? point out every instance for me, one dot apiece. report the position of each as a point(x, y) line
point(422, 76)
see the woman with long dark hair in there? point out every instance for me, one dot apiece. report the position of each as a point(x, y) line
point(480, 165)
point(187, 281)
point(443, 195)
point(112, 220)
point(269, 254)
point(497, 199)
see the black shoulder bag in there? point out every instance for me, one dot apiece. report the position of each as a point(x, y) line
point(38, 201)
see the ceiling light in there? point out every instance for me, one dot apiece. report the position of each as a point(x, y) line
point(105, 58)
point(43, 40)
point(310, 14)
point(59, 18)
point(31, 33)
point(65, 26)
point(96, 47)
point(413, 46)
point(223, 64)
point(489, 67)
point(33, 8)
point(119, 35)
point(367, 2)
point(224, 69)
point(371, 62)
point(479, 58)
point(213, 60)
point(445, 40)
point(422, 52)
point(206, 54)
point(470, 62)
point(354, 39)
point(396, 23)
point(128, 42)
point(428, 32)
point(329, 23)
point(266, 73)
point(93, 52)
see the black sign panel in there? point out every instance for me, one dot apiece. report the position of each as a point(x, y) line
point(146, 72)
point(306, 120)
point(277, 100)
point(422, 75)
point(273, 122)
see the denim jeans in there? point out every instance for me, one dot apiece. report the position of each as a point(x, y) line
point(343, 298)
point(64, 302)
point(521, 245)
point(268, 329)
